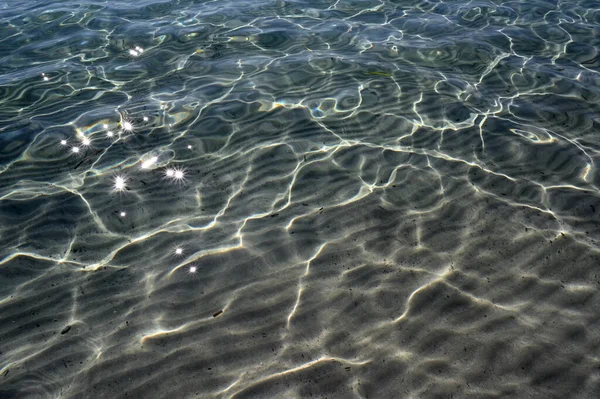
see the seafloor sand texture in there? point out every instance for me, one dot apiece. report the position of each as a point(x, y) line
point(294, 199)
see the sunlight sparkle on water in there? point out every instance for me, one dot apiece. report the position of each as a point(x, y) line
point(136, 52)
point(119, 183)
point(179, 174)
point(149, 162)
point(127, 126)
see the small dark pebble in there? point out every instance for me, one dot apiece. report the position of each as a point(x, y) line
point(6, 373)
point(218, 313)
point(66, 330)
point(347, 368)
point(275, 214)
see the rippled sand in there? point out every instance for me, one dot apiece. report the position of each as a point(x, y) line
point(328, 199)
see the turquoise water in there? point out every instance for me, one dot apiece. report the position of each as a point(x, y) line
point(290, 199)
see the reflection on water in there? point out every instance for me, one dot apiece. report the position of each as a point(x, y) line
point(323, 198)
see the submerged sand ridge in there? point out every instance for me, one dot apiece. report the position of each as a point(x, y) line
point(311, 199)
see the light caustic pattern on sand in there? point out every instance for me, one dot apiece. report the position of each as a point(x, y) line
point(291, 199)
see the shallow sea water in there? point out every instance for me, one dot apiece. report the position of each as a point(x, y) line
point(294, 199)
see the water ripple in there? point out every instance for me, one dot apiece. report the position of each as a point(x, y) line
point(299, 198)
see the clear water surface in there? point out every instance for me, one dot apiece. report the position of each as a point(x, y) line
point(303, 198)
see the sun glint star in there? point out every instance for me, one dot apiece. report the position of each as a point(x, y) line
point(127, 126)
point(119, 184)
point(179, 175)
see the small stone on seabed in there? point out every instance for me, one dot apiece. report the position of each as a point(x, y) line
point(66, 330)
point(218, 313)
